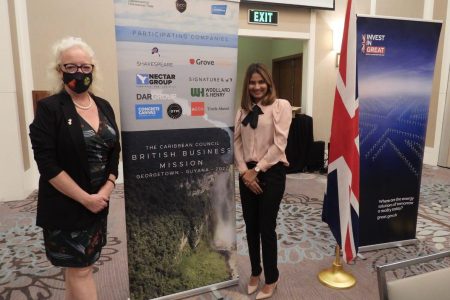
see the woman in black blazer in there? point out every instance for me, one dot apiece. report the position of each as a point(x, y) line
point(75, 140)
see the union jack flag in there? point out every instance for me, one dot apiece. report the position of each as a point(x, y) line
point(341, 202)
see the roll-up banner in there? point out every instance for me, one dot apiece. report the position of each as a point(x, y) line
point(395, 61)
point(177, 71)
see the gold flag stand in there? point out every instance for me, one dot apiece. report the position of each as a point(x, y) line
point(335, 276)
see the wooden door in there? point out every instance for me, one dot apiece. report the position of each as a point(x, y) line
point(287, 75)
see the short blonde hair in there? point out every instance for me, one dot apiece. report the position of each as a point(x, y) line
point(56, 83)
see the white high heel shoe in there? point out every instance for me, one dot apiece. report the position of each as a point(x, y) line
point(252, 288)
point(261, 295)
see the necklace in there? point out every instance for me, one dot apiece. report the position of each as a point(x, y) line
point(83, 107)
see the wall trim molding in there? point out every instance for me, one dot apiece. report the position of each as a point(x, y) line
point(274, 34)
point(311, 57)
point(430, 156)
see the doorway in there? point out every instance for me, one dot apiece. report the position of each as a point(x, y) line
point(287, 76)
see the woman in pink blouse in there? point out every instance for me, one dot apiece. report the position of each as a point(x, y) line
point(260, 138)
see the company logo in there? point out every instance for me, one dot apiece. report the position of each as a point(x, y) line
point(181, 5)
point(218, 9)
point(143, 96)
point(155, 79)
point(150, 96)
point(210, 79)
point(197, 108)
point(140, 3)
point(174, 111)
point(209, 92)
point(371, 44)
point(155, 50)
point(201, 62)
point(218, 108)
point(158, 62)
point(148, 111)
point(197, 92)
point(142, 79)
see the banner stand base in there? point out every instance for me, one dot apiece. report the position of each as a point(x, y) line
point(200, 290)
point(387, 245)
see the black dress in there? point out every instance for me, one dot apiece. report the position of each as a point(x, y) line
point(81, 248)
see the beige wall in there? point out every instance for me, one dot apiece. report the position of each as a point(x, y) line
point(9, 130)
point(17, 180)
point(325, 73)
point(362, 6)
point(395, 8)
point(93, 21)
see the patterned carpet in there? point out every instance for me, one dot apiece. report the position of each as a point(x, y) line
point(301, 233)
point(306, 246)
point(25, 272)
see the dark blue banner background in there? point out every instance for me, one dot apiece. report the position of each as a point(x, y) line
point(395, 60)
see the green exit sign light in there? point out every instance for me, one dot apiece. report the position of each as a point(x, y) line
point(268, 17)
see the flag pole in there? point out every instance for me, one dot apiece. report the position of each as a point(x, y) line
point(335, 276)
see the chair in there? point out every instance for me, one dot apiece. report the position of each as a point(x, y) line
point(431, 285)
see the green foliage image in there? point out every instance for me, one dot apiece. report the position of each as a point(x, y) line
point(170, 228)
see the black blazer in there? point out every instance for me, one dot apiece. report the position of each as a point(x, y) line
point(58, 144)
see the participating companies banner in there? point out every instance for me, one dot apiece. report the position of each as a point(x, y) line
point(395, 62)
point(177, 71)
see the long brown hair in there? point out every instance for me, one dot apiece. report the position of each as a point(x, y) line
point(269, 98)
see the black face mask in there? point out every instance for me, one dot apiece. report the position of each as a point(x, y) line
point(78, 82)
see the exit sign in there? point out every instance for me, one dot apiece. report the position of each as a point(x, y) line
point(256, 16)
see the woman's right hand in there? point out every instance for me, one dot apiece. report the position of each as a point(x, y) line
point(96, 203)
point(251, 181)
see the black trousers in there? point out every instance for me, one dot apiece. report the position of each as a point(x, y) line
point(260, 216)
